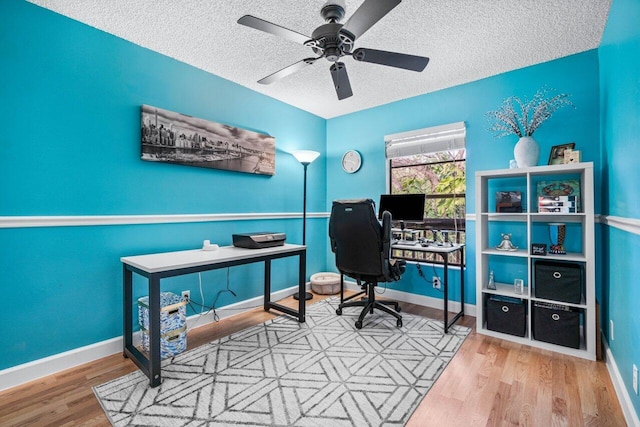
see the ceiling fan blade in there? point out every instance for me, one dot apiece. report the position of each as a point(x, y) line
point(341, 80)
point(369, 12)
point(392, 59)
point(287, 71)
point(268, 27)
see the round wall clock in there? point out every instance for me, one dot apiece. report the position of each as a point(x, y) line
point(351, 161)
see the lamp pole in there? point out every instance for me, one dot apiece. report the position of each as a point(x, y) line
point(305, 157)
point(304, 206)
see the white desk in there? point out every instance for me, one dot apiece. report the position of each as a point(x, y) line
point(169, 264)
point(443, 251)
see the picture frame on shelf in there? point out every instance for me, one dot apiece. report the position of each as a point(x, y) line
point(538, 249)
point(556, 156)
point(508, 201)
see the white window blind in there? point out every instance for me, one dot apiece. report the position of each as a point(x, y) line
point(427, 140)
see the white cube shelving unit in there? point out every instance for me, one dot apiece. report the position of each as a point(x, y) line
point(530, 226)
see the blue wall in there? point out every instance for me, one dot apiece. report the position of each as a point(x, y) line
point(70, 145)
point(620, 97)
point(364, 131)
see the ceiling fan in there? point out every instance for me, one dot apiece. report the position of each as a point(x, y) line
point(333, 40)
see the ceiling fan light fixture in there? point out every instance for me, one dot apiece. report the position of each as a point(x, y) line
point(334, 40)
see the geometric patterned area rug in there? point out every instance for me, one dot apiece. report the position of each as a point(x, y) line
point(324, 372)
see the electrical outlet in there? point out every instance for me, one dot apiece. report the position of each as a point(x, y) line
point(635, 378)
point(611, 330)
point(186, 295)
point(436, 282)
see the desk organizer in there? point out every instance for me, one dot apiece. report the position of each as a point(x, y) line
point(173, 324)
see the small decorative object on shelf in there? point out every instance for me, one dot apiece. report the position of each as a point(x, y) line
point(522, 118)
point(572, 156)
point(508, 201)
point(538, 249)
point(557, 234)
point(492, 284)
point(506, 244)
point(558, 153)
point(518, 286)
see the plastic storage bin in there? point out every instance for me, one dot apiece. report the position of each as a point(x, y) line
point(507, 315)
point(173, 324)
point(556, 324)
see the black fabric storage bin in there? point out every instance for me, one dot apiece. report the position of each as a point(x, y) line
point(556, 324)
point(506, 315)
point(558, 281)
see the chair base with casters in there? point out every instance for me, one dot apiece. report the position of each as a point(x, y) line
point(370, 303)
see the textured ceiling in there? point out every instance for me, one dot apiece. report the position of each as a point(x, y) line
point(466, 40)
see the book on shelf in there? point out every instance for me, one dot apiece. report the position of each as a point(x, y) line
point(556, 209)
point(550, 200)
point(557, 204)
point(559, 196)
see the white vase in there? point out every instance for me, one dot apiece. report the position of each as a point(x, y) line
point(526, 152)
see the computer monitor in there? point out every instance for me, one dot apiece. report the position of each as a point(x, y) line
point(403, 207)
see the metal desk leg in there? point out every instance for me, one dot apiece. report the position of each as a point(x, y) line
point(300, 313)
point(267, 284)
point(462, 280)
point(302, 285)
point(460, 314)
point(445, 258)
point(127, 291)
point(154, 331)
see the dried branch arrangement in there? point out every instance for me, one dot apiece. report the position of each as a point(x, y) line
point(523, 117)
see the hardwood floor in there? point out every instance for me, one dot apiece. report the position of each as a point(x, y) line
point(489, 382)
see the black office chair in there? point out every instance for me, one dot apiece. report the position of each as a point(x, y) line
point(363, 247)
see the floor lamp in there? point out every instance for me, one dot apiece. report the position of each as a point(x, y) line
point(305, 157)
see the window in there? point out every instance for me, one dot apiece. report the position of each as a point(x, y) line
point(431, 161)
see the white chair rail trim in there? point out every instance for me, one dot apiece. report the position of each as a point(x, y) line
point(92, 220)
point(630, 225)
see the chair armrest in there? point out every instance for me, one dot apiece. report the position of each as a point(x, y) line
point(386, 232)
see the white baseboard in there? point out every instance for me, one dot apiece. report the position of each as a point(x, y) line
point(630, 415)
point(21, 374)
point(30, 371)
point(454, 306)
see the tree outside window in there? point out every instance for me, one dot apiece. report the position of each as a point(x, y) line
point(442, 177)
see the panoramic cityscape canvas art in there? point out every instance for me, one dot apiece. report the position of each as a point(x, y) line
point(177, 138)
